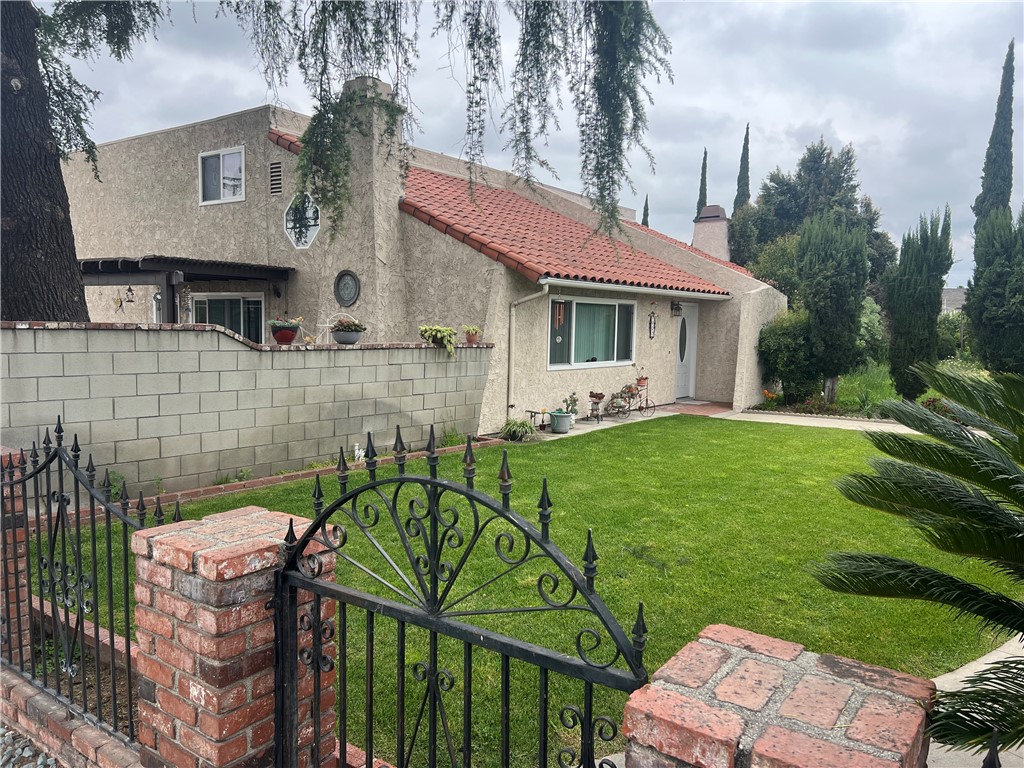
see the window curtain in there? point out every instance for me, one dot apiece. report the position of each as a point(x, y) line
point(595, 333)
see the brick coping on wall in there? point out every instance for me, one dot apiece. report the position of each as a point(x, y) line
point(16, 325)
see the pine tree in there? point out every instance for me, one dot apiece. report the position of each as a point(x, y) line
point(743, 179)
point(997, 173)
point(646, 220)
point(832, 266)
point(995, 297)
point(702, 196)
point(913, 299)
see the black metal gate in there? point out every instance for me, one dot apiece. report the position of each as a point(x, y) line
point(427, 555)
point(67, 578)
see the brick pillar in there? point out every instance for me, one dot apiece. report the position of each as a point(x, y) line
point(733, 697)
point(205, 638)
point(15, 638)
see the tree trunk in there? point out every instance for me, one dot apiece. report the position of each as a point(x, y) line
point(831, 385)
point(39, 274)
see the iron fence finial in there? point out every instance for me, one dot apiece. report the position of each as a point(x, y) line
point(639, 633)
point(371, 456)
point(76, 451)
point(34, 455)
point(158, 513)
point(342, 471)
point(176, 517)
point(432, 457)
point(318, 496)
point(399, 449)
point(590, 560)
point(544, 505)
point(47, 443)
point(505, 478)
point(468, 463)
point(58, 432)
point(140, 510)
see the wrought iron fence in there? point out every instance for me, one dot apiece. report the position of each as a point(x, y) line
point(425, 633)
point(67, 573)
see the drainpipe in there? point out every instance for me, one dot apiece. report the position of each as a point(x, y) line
point(512, 341)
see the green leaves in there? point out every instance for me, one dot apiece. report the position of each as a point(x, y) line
point(961, 486)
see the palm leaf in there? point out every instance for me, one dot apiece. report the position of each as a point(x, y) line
point(884, 576)
point(991, 700)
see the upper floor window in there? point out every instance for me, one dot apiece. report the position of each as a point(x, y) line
point(222, 176)
point(591, 332)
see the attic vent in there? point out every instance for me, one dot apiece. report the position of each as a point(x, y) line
point(276, 180)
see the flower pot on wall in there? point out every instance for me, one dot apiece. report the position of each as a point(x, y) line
point(472, 338)
point(346, 337)
point(560, 422)
point(284, 334)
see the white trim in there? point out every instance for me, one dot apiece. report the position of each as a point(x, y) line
point(572, 339)
point(559, 282)
point(221, 152)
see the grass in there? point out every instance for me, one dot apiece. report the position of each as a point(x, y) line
point(862, 390)
point(706, 521)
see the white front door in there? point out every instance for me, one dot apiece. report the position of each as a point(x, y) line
point(686, 352)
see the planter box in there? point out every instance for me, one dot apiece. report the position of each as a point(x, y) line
point(560, 422)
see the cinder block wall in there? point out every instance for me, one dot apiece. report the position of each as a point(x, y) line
point(192, 404)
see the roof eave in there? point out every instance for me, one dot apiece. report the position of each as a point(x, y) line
point(559, 282)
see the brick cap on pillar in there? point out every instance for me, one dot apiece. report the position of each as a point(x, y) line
point(734, 697)
point(224, 546)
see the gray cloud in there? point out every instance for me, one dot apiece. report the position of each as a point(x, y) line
point(911, 85)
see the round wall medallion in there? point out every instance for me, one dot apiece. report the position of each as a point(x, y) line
point(346, 288)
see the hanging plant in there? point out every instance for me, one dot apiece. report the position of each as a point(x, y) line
point(439, 336)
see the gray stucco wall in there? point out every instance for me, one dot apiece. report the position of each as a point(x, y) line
point(148, 203)
point(191, 405)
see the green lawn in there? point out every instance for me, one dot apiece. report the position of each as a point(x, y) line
point(706, 521)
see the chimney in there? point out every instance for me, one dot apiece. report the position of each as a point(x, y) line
point(711, 232)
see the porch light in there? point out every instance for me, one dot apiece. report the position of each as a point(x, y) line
point(129, 296)
point(677, 309)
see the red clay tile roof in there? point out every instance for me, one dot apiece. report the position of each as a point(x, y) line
point(690, 248)
point(285, 140)
point(533, 240)
point(529, 238)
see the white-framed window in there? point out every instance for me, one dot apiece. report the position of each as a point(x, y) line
point(238, 312)
point(590, 333)
point(222, 176)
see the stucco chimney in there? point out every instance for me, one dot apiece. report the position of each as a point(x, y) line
point(371, 228)
point(711, 232)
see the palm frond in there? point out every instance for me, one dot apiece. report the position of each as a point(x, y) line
point(991, 700)
point(973, 460)
point(884, 576)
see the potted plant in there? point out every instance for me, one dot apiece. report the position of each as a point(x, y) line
point(560, 421)
point(572, 405)
point(641, 377)
point(472, 333)
point(347, 331)
point(439, 336)
point(285, 329)
point(517, 430)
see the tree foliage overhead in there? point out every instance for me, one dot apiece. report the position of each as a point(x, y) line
point(960, 485)
point(995, 297)
point(702, 194)
point(913, 299)
point(600, 52)
point(833, 271)
point(997, 173)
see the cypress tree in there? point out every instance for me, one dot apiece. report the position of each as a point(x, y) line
point(646, 220)
point(743, 179)
point(997, 173)
point(995, 297)
point(702, 196)
point(913, 299)
point(832, 266)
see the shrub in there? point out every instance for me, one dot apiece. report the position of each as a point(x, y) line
point(517, 430)
point(784, 349)
point(347, 326)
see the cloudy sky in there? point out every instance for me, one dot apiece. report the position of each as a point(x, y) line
point(912, 85)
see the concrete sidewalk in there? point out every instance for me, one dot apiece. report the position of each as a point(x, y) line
point(767, 417)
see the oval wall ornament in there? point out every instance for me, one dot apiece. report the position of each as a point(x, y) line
point(346, 288)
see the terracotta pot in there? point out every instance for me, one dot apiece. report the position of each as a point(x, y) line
point(284, 334)
point(472, 338)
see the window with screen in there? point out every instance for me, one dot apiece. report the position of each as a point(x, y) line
point(582, 332)
point(222, 176)
point(241, 314)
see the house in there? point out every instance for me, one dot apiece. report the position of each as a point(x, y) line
point(194, 220)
